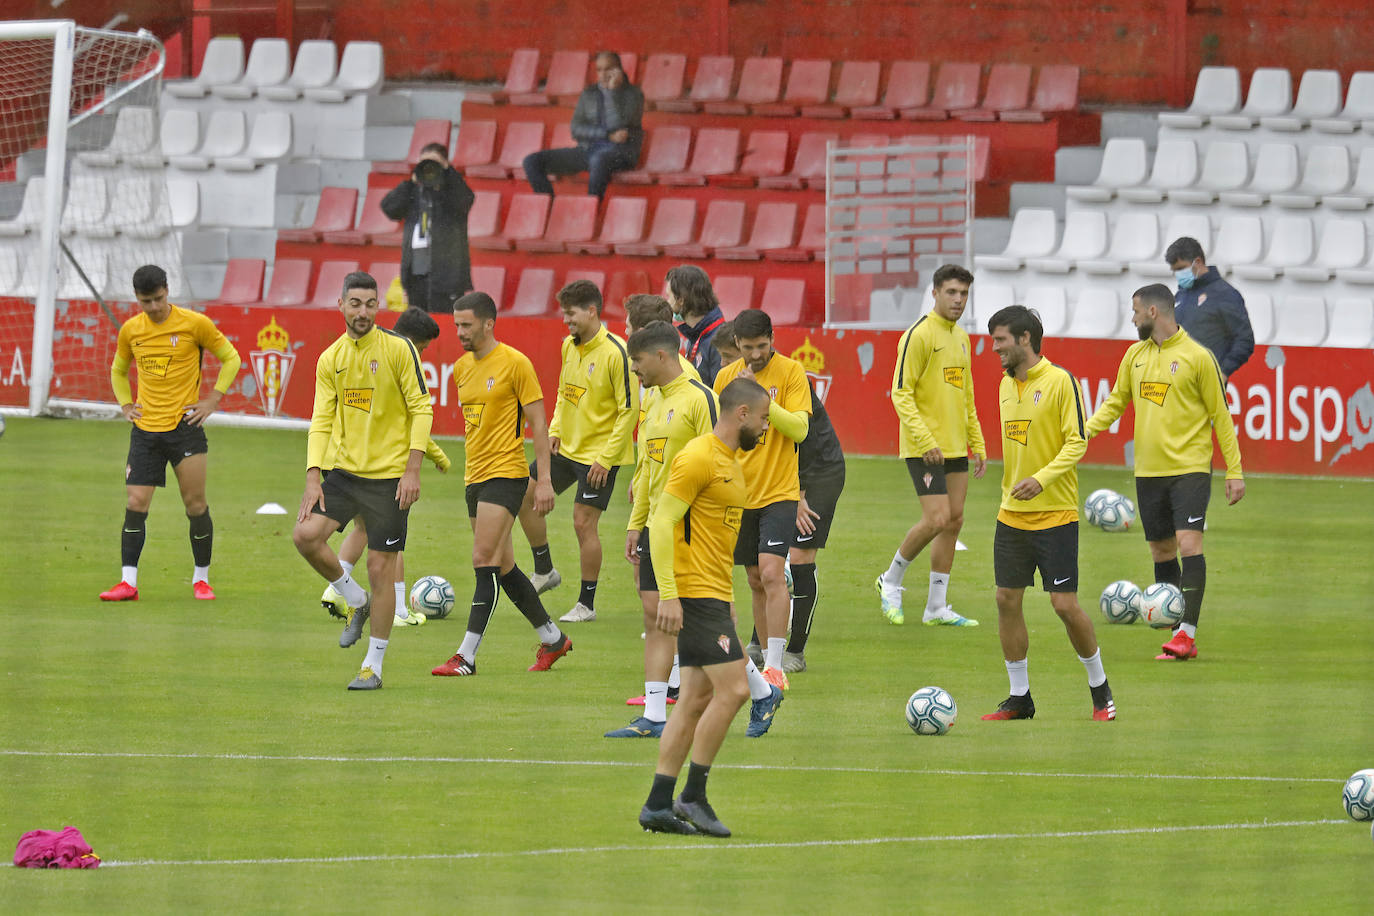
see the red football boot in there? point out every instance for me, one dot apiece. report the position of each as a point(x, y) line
point(203, 591)
point(121, 592)
point(547, 655)
point(1182, 647)
point(454, 667)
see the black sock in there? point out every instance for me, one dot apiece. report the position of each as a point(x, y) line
point(754, 636)
point(804, 595)
point(1194, 584)
point(520, 590)
point(202, 538)
point(588, 596)
point(484, 598)
point(1168, 571)
point(131, 541)
point(695, 788)
point(661, 795)
point(543, 560)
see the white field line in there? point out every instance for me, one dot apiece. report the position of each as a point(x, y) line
point(319, 758)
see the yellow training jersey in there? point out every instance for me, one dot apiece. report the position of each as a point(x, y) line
point(371, 406)
point(598, 402)
point(1179, 401)
point(494, 392)
point(706, 475)
point(168, 357)
point(932, 391)
point(674, 415)
point(1042, 437)
point(771, 468)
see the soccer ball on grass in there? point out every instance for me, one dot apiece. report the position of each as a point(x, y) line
point(931, 711)
point(1121, 602)
point(1161, 605)
point(433, 597)
point(1358, 795)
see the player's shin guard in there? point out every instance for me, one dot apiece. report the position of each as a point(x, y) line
point(484, 597)
point(1194, 584)
point(805, 595)
point(131, 540)
point(520, 590)
point(1168, 571)
point(202, 537)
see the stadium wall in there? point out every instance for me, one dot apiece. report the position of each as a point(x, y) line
point(1298, 410)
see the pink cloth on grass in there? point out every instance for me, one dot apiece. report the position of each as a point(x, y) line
point(55, 849)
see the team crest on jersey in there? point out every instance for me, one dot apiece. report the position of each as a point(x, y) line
point(1173, 368)
point(733, 515)
point(670, 415)
point(1035, 398)
point(490, 383)
point(1201, 299)
point(360, 398)
point(591, 367)
point(1154, 391)
point(656, 448)
point(954, 375)
point(472, 415)
point(175, 338)
point(773, 392)
point(573, 393)
point(373, 366)
point(1016, 430)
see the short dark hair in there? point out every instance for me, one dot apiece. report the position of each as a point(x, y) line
point(148, 279)
point(1018, 320)
point(477, 302)
point(692, 288)
point(614, 58)
point(1158, 295)
point(725, 336)
point(643, 308)
point(580, 294)
point(1184, 249)
point(358, 279)
point(656, 335)
point(440, 148)
point(741, 391)
point(752, 323)
point(416, 325)
point(947, 272)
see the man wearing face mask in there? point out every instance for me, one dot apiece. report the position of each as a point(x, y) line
point(1208, 308)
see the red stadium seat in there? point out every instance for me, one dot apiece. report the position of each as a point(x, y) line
point(562, 138)
point(858, 88)
point(736, 294)
point(668, 150)
point(857, 141)
point(716, 153)
point(242, 281)
point(524, 221)
point(956, 88)
point(333, 213)
point(723, 227)
point(476, 144)
point(427, 130)
point(290, 282)
point(775, 227)
point(674, 221)
point(1008, 90)
point(373, 227)
point(629, 62)
point(808, 83)
point(522, 138)
point(623, 224)
point(598, 278)
point(784, 300)
point(808, 164)
point(664, 76)
point(384, 272)
point(329, 284)
point(485, 215)
point(567, 77)
point(534, 294)
point(765, 156)
point(714, 78)
point(572, 219)
point(624, 283)
point(812, 243)
point(521, 77)
point(490, 279)
point(1055, 90)
point(908, 86)
point(760, 82)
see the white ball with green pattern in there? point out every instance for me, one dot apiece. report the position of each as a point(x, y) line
point(1358, 796)
point(1121, 602)
point(931, 711)
point(432, 596)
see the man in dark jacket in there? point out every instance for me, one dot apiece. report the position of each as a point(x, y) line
point(606, 126)
point(434, 204)
point(697, 313)
point(1210, 309)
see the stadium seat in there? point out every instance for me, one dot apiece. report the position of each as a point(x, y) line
point(956, 88)
point(735, 294)
point(1271, 93)
point(135, 129)
point(484, 219)
point(242, 281)
point(139, 208)
point(490, 279)
point(1290, 245)
point(908, 86)
point(1325, 171)
point(765, 156)
point(290, 282)
point(857, 88)
point(1319, 96)
point(663, 78)
point(812, 242)
point(534, 293)
point(784, 299)
point(524, 220)
point(1008, 90)
point(1175, 167)
point(183, 199)
point(361, 71)
point(269, 140)
point(567, 77)
point(1135, 237)
point(222, 63)
point(86, 210)
point(372, 226)
point(716, 153)
point(712, 83)
point(1124, 165)
point(622, 285)
point(329, 284)
point(95, 264)
point(722, 227)
point(475, 144)
point(1361, 191)
point(317, 63)
point(269, 64)
point(668, 149)
point(1240, 240)
point(808, 83)
point(1056, 90)
point(384, 272)
point(1301, 321)
point(1276, 171)
point(597, 278)
point(572, 219)
point(1352, 323)
point(807, 165)
point(1052, 306)
point(1359, 107)
point(760, 82)
point(1085, 237)
point(775, 228)
point(1341, 247)
point(1260, 307)
point(333, 213)
point(1225, 167)
point(179, 134)
point(522, 76)
point(987, 299)
point(622, 224)
point(522, 138)
point(1192, 225)
point(1033, 234)
point(1097, 314)
point(673, 225)
point(225, 135)
point(13, 258)
point(425, 132)
point(561, 138)
point(1216, 92)
point(30, 215)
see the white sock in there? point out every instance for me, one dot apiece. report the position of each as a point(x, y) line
point(656, 701)
point(1190, 629)
point(758, 687)
point(772, 656)
point(402, 611)
point(897, 570)
point(675, 675)
point(468, 649)
point(129, 574)
point(347, 567)
point(376, 648)
point(201, 574)
point(939, 586)
point(1019, 677)
point(549, 634)
point(352, 592)
point(1096, 676)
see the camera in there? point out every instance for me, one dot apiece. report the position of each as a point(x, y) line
point(429, 173)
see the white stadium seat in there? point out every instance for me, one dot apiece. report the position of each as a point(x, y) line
point(269, 141)
point(1085, 236)
point(1301, 321)
point(1033, 234)
point(139, 209)
point(11, 270)
point(1342, 246)
point(1217, 92)
point(225, 135)
point(1271, 93)
point(1276, 171)
point(1361, 275)
point(1361, 191)
point(1175, 167)
point(1352, 323)
point(1260, 307)
point(1240, 240)
point(1290, 245)
point(986, 299)
point(135, 131)
point(1125, 164)
point(180, 136)
point(1319, 96)
point(183, 200)
point(223, 63)
point(1225, 167)
point(1096, 314)
point(1359, 107)
point(1181, 225)
point(1050, 304)
point(1326, 171)
point(94, 262)
point(360, 71)
point(30, 214)
point(316, 67)
point(1134, 238)
point(269, 64)
point(87, 208)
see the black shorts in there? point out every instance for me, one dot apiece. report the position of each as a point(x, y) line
point(506, 492)
point(149, 453)
point(822, 499)
point(648, 582)
point(1017, 554)
point(564, 472)
point(767, 529)
point(930, 478)
point(348, 496)
point(708, 634)
point(1170, 504)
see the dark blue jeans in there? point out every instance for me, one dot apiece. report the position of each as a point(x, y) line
point(599, 161)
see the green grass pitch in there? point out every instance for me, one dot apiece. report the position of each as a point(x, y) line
point(211, 755)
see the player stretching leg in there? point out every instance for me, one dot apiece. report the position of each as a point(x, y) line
point(1037, 527)
point(695, 592)
point(932, 392)
point(166, 342)
point(1176, 387)
point(499, 392)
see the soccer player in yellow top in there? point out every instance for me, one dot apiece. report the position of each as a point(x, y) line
point(166, 342)
point(1037, 527)
point(1178, 392)
point(774, 489)
point(499, 393)
point(932, 392)
point(692, 533)
point(372, 410)
point(591, 434)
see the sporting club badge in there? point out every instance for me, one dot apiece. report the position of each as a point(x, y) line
point(373, 366)
point(272, 362)
point(813, 361)
point(724, 642)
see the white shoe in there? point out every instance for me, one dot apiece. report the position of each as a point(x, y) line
point(580, 613)
point(946, 617)
point(412, 619)
point(543, 583)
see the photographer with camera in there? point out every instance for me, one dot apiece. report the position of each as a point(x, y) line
point(434, 205)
